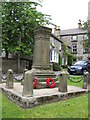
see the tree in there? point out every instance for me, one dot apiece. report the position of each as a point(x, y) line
point(65, 54)
point(86, 43)
point(18, 22)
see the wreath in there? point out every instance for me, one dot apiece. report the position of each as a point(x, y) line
point(35, 82)
point(50, 83)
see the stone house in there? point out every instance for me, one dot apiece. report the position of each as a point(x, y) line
point(56, 48)
point(75, 38)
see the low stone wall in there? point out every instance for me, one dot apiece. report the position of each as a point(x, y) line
point(12, 64)
point(29, 102)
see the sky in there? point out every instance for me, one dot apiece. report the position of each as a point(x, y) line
point(65, 13)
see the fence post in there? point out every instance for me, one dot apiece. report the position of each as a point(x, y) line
point(85, 81)
point(28, 84)
point(63, 82)
point(9, 81)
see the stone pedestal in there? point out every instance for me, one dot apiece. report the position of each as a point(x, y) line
point(28, 84)
point(41, 59)
point(9, 81)
point(63, 82)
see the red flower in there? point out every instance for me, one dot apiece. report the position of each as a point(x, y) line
point(35, 82)
point(50, 83)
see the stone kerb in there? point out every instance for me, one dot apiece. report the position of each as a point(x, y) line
point(63, 82)
point(9, 81)
point(28, 84)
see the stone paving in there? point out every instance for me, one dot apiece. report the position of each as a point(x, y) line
point(18, 88)
point(40, 96)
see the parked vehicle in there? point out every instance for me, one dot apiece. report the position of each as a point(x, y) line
point(79, 67)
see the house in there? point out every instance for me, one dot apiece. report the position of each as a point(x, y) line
point(56, 48)
point(76, 38)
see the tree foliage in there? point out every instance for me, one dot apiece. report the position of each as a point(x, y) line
point(18, 22)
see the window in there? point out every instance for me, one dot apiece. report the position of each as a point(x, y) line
point(74, 48)
point(55, 56)
point(74, 38)
point(60, 46)
point(85, 37)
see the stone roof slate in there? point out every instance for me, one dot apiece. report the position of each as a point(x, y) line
point(74, 31)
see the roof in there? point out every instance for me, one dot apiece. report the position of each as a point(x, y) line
point(53, 35)
point(59, 39)
point(74, 31)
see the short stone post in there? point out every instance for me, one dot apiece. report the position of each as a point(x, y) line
point(9, 81)
point(0, 75)
point(85, 81)
point(25, 70)
point(63, 82)
point(28, 84)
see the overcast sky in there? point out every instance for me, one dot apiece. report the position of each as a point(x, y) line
point(66, 13)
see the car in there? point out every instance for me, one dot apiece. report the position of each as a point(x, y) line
point(79, 67)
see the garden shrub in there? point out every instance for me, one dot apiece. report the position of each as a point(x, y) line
point(56, 67)
point(70, 59)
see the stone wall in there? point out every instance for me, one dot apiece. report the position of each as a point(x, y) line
point(12, 64)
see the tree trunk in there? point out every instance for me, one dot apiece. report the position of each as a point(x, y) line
point(18, 63)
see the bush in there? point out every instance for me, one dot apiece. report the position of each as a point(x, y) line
point(56, 67)
point(60, 59)
point(64, 66)
point(70, 59)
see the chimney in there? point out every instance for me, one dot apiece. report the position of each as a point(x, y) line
point(79, 24)
point(57, 31)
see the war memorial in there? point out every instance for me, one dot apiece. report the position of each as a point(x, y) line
point(39, 85)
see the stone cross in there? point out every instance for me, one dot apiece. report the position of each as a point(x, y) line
point(63, 82)
point(41, 59)
point(28, 84)
point(9, 81)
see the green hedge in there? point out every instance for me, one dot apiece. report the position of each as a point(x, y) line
point(56, 67)
point(70, 59)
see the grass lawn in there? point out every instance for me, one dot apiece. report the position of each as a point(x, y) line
point(75, 78)
point(71, 108)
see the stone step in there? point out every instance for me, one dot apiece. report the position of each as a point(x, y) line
point(43, 85)
point(44, 79)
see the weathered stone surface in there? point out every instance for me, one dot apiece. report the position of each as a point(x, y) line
point(28, 84)
point(41, 57)
point(9, 81)
point(63, 82)
point(0, 75)
point(86, 78)
point(25, 70)
point(40, 96)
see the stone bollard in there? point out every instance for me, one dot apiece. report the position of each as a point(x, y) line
point(89, 82)
point(85, 81)
point(9, 81)
point(25, 70)
point(63, 82)
point(28, 84)
point(0, 75)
